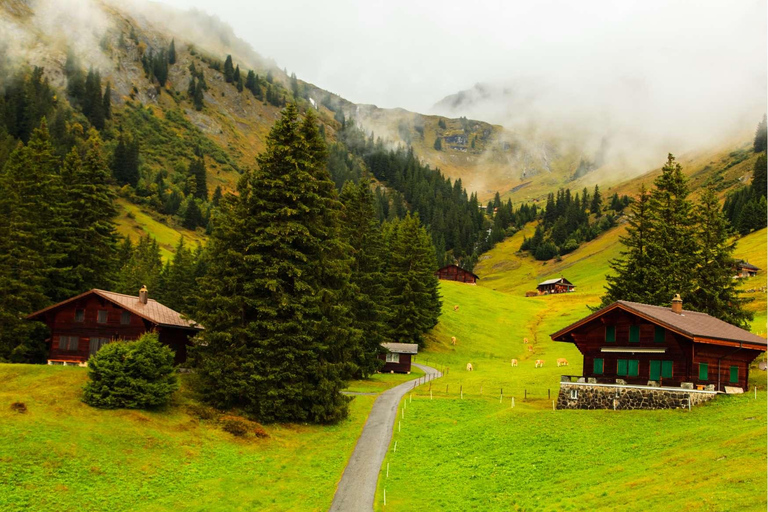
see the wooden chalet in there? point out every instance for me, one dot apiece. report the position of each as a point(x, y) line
point(456, 273)
point(560, 285)
point(744, 269)
point(664, 346)
point(397, 359)
point(80, 326)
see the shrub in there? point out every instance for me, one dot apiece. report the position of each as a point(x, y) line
point(19, 407)
point(202, 412)
point(235, 426)
point(131, 375)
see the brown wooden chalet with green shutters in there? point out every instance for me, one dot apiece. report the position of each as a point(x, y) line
point(81, 325)
point(667, 346)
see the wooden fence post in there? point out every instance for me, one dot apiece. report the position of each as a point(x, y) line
point(525, 395)
point(501, 394)
point(461, 392)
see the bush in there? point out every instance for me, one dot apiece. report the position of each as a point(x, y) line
point(131, 375)
point(235, 426)
point(19, 407)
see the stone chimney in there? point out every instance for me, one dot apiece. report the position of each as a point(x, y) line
point(677, 304)
point(143, 294)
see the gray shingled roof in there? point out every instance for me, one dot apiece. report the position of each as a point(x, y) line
point(401, 348)
point(553, 281)
point(688, 323)
point(747, 265)
point(152, 310)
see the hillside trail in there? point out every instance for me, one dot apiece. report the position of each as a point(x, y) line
point(357, 488)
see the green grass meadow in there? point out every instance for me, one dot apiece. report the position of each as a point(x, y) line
point(64, 455)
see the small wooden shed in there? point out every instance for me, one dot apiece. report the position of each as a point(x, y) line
point(744, 269)
point(560, 285)
point(397, 359)
point(456, 273)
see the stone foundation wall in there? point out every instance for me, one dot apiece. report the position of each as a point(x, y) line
point(591, 396)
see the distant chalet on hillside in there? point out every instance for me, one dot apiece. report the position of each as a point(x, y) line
point(80, 326)
point(398, 357)
point(456, 273)
point(745, 269)
point(560, 285)
point(638, 356)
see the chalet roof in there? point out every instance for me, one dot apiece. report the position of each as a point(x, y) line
point(692, 324)
point(401, 348)
point(554, 281)
point(747, 265)
point(458, 267)
point(152, 310)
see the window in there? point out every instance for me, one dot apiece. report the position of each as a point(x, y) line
point(633, 368)
point(666, 369)
point(125, 318)
point(621, 367)
point(703, 371)
point(79, 315)
point(610, 333)
point(574, 394)
point(393, 358)
point(102, 318)
point(597, 366)
point(734, 375)
point(634, 334)
point(96, 344)
point(69, 343)
point(658, 334)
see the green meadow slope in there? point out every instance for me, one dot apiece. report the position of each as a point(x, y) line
point(484, 455)
point(64, 455)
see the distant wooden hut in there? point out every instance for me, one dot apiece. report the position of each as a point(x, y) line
point(560, 285)
point(397, 359)
point(745, 269)
point(456, 273)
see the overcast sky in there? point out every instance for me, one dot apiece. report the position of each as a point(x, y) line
point(411, 53)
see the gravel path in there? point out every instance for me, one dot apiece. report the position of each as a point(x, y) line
point(357, 487)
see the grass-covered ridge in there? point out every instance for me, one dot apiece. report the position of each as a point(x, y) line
point(65, 455)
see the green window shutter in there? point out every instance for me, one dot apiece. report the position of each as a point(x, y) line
point(666, 369)
point(633, 369)
point(658, 334)
point(597, 366)
point(621, 368)
point(703, 371)
point(610, 333)
point(634, 334)
point(734, 374)
point(655, 372)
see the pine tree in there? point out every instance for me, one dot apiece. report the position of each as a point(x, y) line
point(236, 78)
point(438, 145)
point(672, 244)
point(760, 136)
point(229, 69)
point(193, 217)
point(715, 291)
point(93, 101)
point(107, 102)
point(197, 97)
point(597, 202)
point(413, 287)
point(172, 52)
point(90, 228)
point(142, 268)
point(197, 169)
point(216, 199)
point(277, 335)
point(179, 278)
point(369, 308)
point(125, 160)
point(630, 277)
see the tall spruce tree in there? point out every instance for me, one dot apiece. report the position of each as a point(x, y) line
point(760, 136)
point(278, 335)
point(715, 291)
point(91, 230)
point(107, 101)
point(142, 268)
point(361, 229)
point(179, 279)
point(229, 69)
point(413, 287)
point(630, 278)
point(672, 245)
point(172, 52)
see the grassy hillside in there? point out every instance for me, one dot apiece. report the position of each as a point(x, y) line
point(65, 455)
point(480, 454)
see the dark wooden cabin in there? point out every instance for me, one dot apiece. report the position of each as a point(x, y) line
point(639, 343)
point(397, 359)
point(456, 273)
point(744, 269)
point(80, 326)
point(560, 285)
